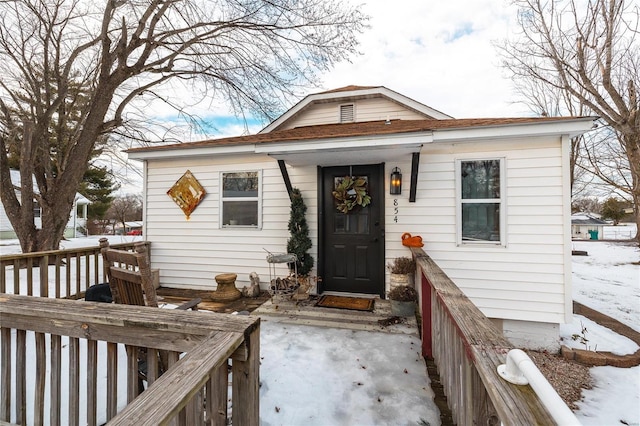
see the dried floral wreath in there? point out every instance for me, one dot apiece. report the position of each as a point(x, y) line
point(351, 192)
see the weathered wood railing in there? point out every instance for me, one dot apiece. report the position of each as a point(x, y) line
point(467, 349)
point(53, 351)
point(57, 274)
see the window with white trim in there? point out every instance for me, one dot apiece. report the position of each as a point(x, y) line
point(240, 199)
point(481, 201)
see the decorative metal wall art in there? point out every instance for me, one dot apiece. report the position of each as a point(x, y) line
point(187, 193)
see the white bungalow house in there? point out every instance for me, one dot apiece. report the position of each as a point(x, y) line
point(77, 218)
point(489, 197)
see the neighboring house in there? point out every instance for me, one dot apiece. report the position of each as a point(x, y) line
point(77, 218)
point(490, 198)
point(586, 226)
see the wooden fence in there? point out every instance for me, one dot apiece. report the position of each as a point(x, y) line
point(467, 349)
point(53, 351)
point(57, 274)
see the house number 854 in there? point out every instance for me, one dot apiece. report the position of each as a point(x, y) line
point(395, 210)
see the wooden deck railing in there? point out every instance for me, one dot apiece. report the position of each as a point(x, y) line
point(467, 349)
point(53, 351)
point(56, 274)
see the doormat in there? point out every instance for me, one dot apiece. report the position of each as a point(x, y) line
point(343, 302)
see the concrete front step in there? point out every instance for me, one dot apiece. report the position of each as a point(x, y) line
point(306, 313)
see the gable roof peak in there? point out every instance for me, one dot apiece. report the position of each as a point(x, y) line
point(352, 93)
point(349, 88)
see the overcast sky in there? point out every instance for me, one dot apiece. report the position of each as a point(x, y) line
point(439, 53)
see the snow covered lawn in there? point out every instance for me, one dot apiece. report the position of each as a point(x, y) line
point(608, 280)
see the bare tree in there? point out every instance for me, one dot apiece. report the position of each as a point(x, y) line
point(124, 209)
point(80, 66)
point(589, 52)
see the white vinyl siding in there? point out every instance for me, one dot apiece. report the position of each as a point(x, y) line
point(190, 253)
point(364, 109)
point(522, 281)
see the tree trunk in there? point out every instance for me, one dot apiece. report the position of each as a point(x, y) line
point(56, 202)
point(632, 146)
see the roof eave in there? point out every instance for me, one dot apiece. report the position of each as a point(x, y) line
point(570, 128)
point(185, 150)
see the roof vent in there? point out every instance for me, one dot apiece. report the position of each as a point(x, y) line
point(346, 113)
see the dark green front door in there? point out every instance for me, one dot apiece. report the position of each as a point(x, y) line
point(352, 244)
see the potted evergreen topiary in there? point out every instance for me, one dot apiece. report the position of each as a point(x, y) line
point(402, 271)
point(403, 301)
point(299, 243)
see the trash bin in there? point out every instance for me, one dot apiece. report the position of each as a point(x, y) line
point(593, 234)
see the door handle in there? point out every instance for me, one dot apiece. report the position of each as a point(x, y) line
point(375, 240)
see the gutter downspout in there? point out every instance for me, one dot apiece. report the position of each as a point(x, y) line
point(520, 370)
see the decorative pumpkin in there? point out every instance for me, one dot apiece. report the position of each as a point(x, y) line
point(351, 192)
point(409, 241)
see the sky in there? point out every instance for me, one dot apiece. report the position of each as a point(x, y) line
point(316, 376)
point(438, 53)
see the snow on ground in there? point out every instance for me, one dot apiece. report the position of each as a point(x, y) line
point(320, 376)
point(588, 335)
point(13, 246)
point(608, 280)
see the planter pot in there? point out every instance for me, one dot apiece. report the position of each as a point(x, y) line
point(226, 290)
point(402, 309)
point(396, 280)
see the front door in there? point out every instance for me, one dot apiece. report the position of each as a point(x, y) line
point(352, 244)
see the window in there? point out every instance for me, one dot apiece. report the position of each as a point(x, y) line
point(481, 201)
point(241, 199)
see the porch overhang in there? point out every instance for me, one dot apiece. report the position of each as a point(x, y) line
point(342, 152)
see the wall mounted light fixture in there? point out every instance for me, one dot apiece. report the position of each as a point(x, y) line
point(395, 182)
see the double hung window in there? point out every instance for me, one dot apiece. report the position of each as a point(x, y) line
point(481, 201)
point(241, 199)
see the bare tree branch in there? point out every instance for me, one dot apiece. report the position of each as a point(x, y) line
point(587, 54)
point(76, 68)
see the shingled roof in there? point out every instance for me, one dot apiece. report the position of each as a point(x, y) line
point(345, 130)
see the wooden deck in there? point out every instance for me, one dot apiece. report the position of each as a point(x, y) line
point(301, 313)
point(178, 296)
point(192, 391)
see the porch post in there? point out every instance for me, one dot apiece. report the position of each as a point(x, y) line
point(285, 177)
point(427, 333)
point(246, 383)
point(415, 162)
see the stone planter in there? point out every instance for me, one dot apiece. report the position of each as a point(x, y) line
point(396, 280)
point(226, 291)
point(402, 309)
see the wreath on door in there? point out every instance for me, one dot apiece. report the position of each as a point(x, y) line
point(351, 192)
